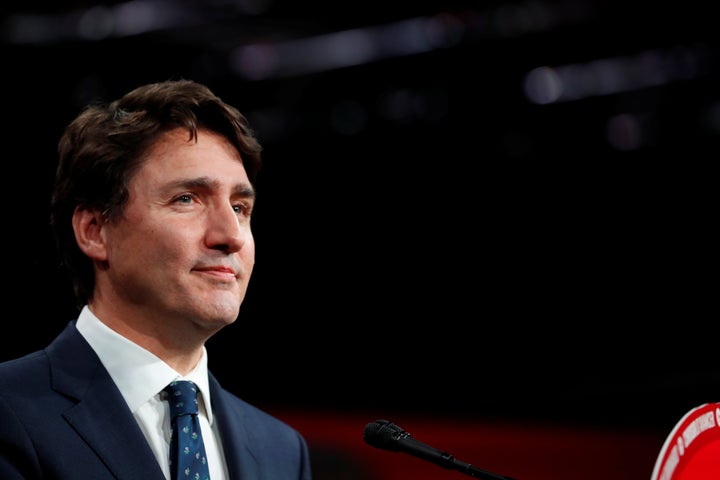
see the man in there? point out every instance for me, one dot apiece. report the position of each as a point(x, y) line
point(151, 213)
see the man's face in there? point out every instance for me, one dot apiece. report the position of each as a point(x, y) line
point(182, 251)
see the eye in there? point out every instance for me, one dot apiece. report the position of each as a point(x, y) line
point(184, 198)
point(243, 209)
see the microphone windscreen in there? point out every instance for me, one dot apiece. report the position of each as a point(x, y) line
point(381, 434)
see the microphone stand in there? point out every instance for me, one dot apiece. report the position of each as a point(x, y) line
point(473, 471)
point(388, 436)
point(448, 461)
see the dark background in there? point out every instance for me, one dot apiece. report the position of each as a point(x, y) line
point(428, 239)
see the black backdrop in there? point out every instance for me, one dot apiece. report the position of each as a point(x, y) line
point(475, 253)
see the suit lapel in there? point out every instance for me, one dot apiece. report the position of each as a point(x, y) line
point(239, 456)
point(100, 415)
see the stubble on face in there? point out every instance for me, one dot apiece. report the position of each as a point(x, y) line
point(183, 252)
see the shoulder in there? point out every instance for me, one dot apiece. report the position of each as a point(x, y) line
point(274, 445)
point(23, 370)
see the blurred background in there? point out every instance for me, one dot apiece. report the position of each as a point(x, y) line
point(489, 222)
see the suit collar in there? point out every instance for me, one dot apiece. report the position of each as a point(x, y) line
point(137, 372)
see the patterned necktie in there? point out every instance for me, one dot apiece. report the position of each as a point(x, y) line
point(187, 451)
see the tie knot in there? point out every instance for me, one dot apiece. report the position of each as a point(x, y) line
point(182, 398)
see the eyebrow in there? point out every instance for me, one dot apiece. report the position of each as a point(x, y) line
point(239, 190)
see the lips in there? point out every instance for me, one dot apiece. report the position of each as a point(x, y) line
point(219, 270)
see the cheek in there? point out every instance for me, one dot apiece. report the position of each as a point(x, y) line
point(157, 243)
point(248, 250)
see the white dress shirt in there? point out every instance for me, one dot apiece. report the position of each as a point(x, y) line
point(141, 377)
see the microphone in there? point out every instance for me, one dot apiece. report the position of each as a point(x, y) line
point(388, 436)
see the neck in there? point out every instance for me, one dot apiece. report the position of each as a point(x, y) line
point(166, 340)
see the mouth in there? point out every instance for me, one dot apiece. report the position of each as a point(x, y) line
point(220, 272)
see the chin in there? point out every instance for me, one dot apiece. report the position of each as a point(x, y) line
point(222, 314)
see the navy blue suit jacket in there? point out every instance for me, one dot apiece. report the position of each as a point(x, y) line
point(62, 417)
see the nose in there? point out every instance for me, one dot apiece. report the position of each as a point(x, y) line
point(225, 230)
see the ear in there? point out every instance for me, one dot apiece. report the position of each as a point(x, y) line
point(88, 224)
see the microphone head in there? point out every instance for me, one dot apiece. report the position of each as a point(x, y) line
point(383, 434)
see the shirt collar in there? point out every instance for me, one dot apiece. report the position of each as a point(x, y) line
point(139, 374)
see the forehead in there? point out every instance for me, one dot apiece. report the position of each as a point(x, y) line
point(175, 155)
